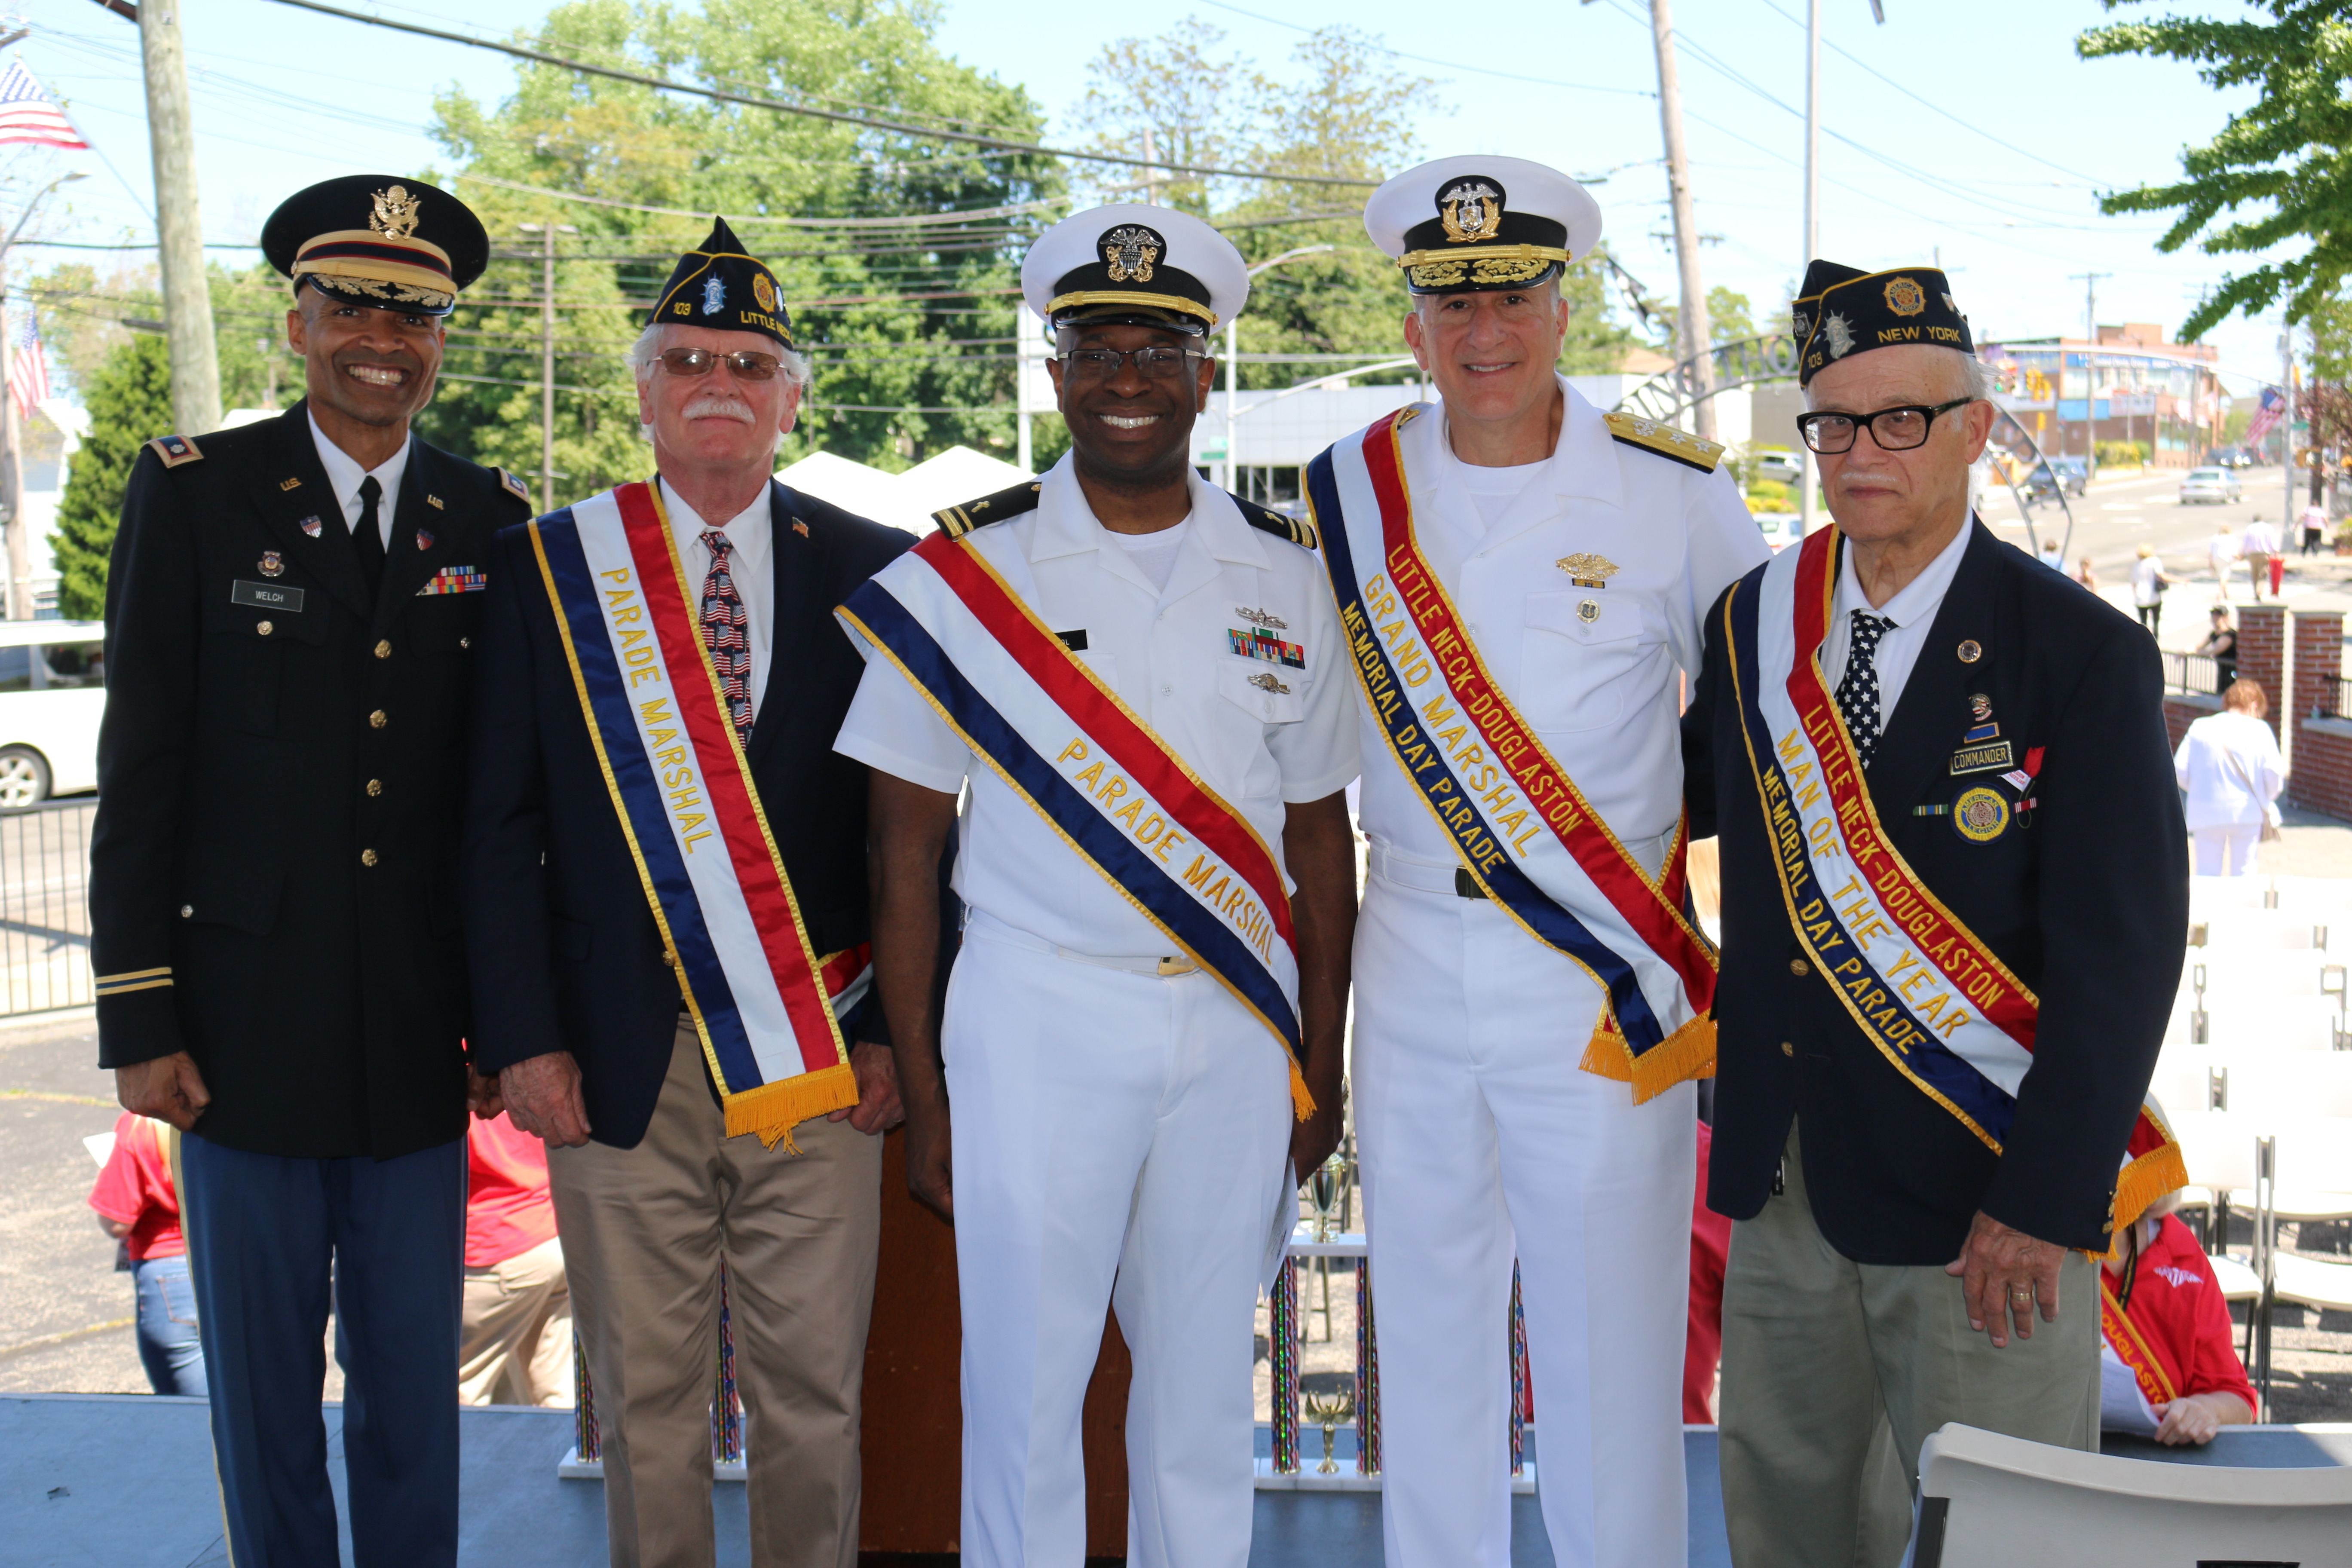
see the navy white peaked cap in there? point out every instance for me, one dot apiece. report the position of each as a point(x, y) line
point(1135, 265)
point(1477, 223)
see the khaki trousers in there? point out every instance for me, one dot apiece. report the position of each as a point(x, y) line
point(514, 1338)
point(644, 1230)
point(1834, 1373)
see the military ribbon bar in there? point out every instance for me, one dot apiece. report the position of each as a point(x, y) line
point(1938, 1003)
point(1116, 791)
point(764, 1003)
point(1516, 819)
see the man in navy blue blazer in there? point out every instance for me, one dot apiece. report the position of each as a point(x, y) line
point(585, 960)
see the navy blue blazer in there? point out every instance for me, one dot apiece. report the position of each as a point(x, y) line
point(564, 953)
point(2085, 899)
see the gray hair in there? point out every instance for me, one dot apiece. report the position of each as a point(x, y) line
point(1970, 377)
point(647, 350)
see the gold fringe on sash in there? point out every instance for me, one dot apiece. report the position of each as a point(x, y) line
point(1302, 1104)
point(771, 1110)
point(2146, 1179)
point(1688, 1053)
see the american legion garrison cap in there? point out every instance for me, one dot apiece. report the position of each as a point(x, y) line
point(1133, 265)
point(1841, 310)
point(377, 240)
point(1476, 224)
point(723, 287)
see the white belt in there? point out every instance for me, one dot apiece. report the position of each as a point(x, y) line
point(988, 928)
point(1425, 877)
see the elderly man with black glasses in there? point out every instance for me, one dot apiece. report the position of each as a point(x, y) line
point(1954, 889)
point(665, 908)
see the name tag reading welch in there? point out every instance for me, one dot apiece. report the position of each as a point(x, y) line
point(265, 596)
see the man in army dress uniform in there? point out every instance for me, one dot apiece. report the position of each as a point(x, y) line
point(290, 615)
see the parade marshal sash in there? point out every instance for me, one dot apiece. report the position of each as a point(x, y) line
point(2123, 1336)
point(1114, 791)
point(1515, 817)
point(1936, 1001)
point(761, 999)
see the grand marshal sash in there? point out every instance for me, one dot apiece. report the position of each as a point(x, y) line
point(1116, 791)
point(761, 999)
point(1516, 819)
point(1933, 998)
point(2131, 1348)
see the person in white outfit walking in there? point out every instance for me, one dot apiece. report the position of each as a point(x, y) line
point(2229, 764)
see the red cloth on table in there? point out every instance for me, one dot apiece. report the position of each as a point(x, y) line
point(508, 1211)
point(1710, 1249)
point(2177, 1308)
point(134, 1188)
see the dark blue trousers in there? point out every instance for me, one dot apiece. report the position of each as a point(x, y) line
point(272, 1241)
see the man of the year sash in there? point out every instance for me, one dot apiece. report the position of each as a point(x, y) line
point(1935, 1000)
point(1110, 787)
point(1516, 819)
point(763, 1000)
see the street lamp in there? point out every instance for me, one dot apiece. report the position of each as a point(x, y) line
point(19, 597)
point(1233, 346)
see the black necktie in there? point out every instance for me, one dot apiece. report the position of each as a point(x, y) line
point(369, 535)
point(1857, 691)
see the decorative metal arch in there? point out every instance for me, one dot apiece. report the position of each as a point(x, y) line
point(1669, 396)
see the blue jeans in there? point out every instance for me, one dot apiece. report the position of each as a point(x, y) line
point(168, 1345)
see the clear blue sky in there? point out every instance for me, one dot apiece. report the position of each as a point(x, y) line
point(1913, 157)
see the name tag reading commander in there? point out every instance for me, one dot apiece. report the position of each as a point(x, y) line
point(666, 905)
point(1955, 896)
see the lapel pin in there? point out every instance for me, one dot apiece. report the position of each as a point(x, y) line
point(1971, 651)
point(289, 484)
point(311, 526)
point(272, 563)
point(435, 502)
point(801, 529)
point(424, 539)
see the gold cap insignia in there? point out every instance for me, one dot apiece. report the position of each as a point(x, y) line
point(1268, 683)
point(1129, 250)
point(1471, 210)
point(764, 291)
point(1904, 297)
point(1588, 571)
point(395, 213)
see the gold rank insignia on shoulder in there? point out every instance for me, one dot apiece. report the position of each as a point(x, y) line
point(514, 486)
point(955, 522)
point(1666, 441)
point(175, 450)
point(1268, 683)
point(1588, 571)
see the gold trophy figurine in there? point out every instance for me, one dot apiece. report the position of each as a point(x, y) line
point(1330, 1409)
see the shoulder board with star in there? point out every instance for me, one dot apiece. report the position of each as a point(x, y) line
point(1666, 441)
point(175, 450)
point(955, 522)
point(514, 487)
point(1297, 529)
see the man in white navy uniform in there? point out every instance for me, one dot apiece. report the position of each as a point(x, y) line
point(1116, 1112)
point(1579, 550)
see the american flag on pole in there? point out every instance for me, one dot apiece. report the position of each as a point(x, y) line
point(2273, 408)
point(26, 114)
point(28, 368)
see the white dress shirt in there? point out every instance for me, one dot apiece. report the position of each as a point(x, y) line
point(749, 532)
point(345, 476)
point(1913, 611)
point(2222, 754)
point(1166, 651)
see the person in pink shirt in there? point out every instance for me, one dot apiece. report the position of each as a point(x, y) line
point(139, 1206)
point(514, 1343)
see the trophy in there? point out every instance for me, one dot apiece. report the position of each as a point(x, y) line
point(1329, 1410)
point(1323, 1191)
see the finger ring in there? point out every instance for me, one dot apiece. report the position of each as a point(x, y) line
point(2020, 1294)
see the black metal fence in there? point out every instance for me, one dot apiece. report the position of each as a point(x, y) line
point(44, 907)
point(2336, 698)
point(2193, 673)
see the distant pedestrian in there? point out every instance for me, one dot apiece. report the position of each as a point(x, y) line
point(2315, 527)
point(2149, 583)
point(139, 1207)
point(2085, 575)
point(2229, 764)
point(514, 1329)
point(2221, 646)
point(2053, 557)
point(2264, 560)
point(2222, 550)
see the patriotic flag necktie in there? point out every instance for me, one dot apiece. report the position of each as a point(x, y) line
point(723, 631)
point(1857, 690)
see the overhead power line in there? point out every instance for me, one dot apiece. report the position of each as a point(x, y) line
point(864, 123)
point(906, 220)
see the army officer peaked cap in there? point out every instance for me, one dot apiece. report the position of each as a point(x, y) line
point(723, 287)
point(375, 239)
point(1461, 224)
point(1135, 265)
point(1841, 310)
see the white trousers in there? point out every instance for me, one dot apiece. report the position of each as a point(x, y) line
point(1476, 1128)
point(1108, 1126)
point(2227, 850)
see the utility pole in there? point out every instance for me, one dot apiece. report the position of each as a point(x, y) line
point(1029, 353)
point(2286, 426)
point(1691, 320)
point(1809, 481)
point(187, 297)
point(2089, 281)
point(547, 233)
point(1233, 354)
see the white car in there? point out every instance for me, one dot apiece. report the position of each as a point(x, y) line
point(1781, 529)
point(52, 695)
point(2209, 485)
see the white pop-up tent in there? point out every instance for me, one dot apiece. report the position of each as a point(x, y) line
point(903, 500)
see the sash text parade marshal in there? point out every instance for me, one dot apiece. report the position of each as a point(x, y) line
point(291, 617)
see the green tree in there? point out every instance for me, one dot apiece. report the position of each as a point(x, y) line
point(1730, 319)
point(129, 400)
point(2281, 162)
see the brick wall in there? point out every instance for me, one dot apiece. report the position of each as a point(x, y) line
point(2180, 710)
point(2263, 655)
point(2320, 777)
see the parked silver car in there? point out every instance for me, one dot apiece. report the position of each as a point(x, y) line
point(2209, 485)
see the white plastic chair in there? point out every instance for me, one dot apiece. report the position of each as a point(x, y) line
point(2235, 974)
point(2238, 929)
point(1992, 1501)
point(2227, 895)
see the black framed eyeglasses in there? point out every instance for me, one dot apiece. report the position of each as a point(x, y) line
point(1896, 429)
point(749, 364)
point(1157, 362)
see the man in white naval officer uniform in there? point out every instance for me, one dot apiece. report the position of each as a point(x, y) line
point(1578, 552)
point(1116, 1102)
